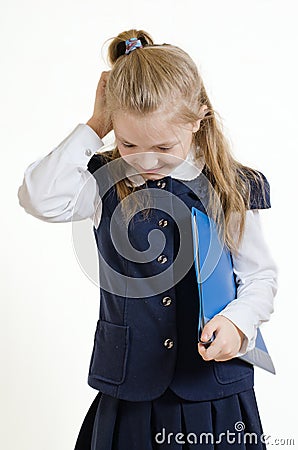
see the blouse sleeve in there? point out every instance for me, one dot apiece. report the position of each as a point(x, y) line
point(59, 187)
point(256, 274)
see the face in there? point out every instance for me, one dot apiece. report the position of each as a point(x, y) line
point(152, 144)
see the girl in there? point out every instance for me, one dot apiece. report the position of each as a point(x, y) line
point(157, 386)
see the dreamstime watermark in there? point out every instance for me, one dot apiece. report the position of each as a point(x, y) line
point(228, 437)
point(89, 258)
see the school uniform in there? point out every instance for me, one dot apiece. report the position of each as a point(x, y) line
point(152, 383)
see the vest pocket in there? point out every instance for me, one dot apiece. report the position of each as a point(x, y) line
point(109, 356)
point(232, 370)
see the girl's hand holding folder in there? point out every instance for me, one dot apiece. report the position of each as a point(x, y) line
point(227, 342)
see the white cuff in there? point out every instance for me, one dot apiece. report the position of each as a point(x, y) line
point(80, 145)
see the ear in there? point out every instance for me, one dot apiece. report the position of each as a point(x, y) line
point(196, 126)
point(202, 113)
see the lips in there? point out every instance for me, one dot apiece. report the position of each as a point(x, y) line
point(150, 170)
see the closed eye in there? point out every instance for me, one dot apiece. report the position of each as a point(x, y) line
point(128, 145)
point(125, 144)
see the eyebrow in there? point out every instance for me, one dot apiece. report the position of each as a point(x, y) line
point(165, 144)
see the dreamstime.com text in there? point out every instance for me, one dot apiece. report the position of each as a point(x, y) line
point(237, 436)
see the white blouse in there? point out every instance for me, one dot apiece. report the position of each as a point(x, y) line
point(59, 188)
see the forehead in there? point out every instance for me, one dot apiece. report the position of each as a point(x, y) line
point(155, 126)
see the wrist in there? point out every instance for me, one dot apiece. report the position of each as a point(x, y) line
point(96, 125)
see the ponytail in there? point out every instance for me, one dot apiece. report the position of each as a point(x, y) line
point(117, 47)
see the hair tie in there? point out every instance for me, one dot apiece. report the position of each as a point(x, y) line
point(132, 44)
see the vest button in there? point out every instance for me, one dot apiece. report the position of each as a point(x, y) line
point(161, 184)
point(168, 343)
point(162, 259)
point(163, 223)
point(166, 301)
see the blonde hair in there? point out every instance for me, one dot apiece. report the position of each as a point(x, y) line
point(157, 75)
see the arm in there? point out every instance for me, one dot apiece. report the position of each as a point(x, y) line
point(256, 277)
point(51, 184)
point(58, 187)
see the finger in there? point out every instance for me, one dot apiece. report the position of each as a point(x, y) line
point(208, 352)
point(216, 349)
point(202, 350)
point(224, 358)
point(220, 350)
point(213, 351)
point(209, 329)
point(105, 75)
point(207, 356)
point(103, 79)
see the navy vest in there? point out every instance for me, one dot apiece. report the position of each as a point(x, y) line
point(146, 336)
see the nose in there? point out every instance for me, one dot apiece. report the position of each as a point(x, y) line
point(148, 160)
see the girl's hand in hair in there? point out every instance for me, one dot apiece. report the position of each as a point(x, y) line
point(227, 343)
point(99, 122)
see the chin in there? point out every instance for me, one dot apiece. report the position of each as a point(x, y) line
point(153, 176)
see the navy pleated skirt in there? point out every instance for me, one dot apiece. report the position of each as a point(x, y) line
point(169, 422)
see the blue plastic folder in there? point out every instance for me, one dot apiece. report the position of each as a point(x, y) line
point(216, 282)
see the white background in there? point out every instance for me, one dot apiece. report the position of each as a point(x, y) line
point(50, 64)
